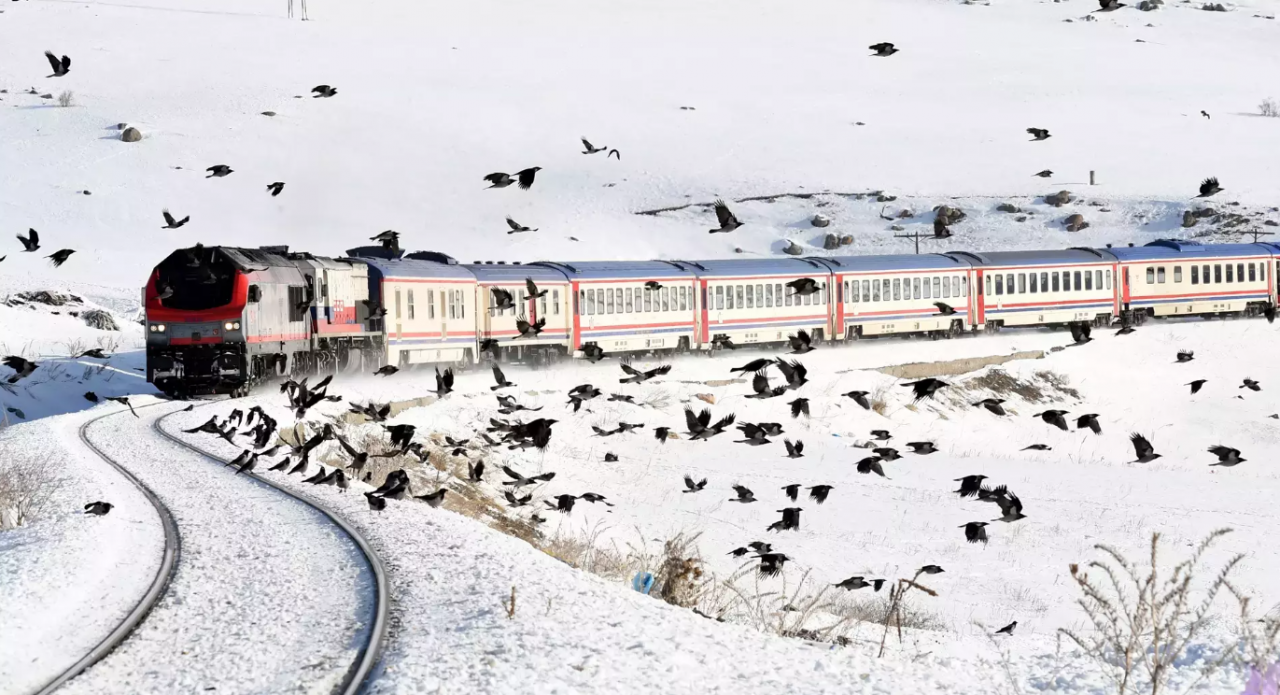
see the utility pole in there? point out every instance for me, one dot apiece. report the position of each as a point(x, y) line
point(1257, 233)
point(915, 235)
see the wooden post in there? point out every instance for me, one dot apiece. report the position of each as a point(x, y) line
point(1091, 177)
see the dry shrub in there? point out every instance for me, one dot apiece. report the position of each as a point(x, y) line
point(66, 98)
point(1269, 108)
point(805, 611)
point(880, 399)
point(876, 609)
point(1143, 619)
point(25, 487)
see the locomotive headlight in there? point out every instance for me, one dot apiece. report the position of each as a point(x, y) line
point(231, 325)
point(157, 328)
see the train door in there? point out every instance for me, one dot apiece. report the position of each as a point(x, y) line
point(1124, 297)
point(704, 312)
point(399, 305)
point(445, 296)
point(838, 331)
point(1116, 291)
point(978, 299)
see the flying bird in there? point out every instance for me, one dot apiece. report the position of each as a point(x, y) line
point(728, 222)
point(434, 499)
point(502, 299)
point(771, 563)
point(859, 397)
point(1109, 5)
point(1209, 187)
point(31, 242)
point(1091, 421)
point(218, 171)
point(799, 406)
point(592, 150)
point(444, 382)
point(760, 385)
point(60, 67)
point(854, 583)
point(275, 188)
point(944, 309)
point(795, 373)
point(517, 228)
point(323, 91)
point(801, 343)
point(974, 532)
point(692, 486)
point(804, 286)
point(745, 494)
point(1010, 507)
point(1038, 134)
point(1250, 384)
point(931, 569)
point(970, 485)
point(170, 223)
point(636, 376)
point(1145, 452)
point(661, 434)
point(524, 177)
point(871, 464)
point(390, 239)
point(753, 366)
point(1080, 333)
point(818, 493)
point(98, 508)
point(387, 370)
point(795, 449)
point(922, 448)
point(529, 330)
point(1204, 113)
point(1226, 455)
point(1044, 174)
point(1054, 417)
point(615, 154)
point(881, 435)
point(475, 472)
point(925, 388)
point(1037, 447)
point(1185, 356)
point(792, 491)
point(883, 50)
point(1196, 385)
point(22, 367)
point(122, 400)
point(500, 378)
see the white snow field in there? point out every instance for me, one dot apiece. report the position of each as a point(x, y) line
point(703, 99)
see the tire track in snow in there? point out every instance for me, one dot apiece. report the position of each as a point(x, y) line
point(253, 603)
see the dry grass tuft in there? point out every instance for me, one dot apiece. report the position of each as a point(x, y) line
point(880, 399)
point(67, 98)
point(1269, 108)
point(25, 487)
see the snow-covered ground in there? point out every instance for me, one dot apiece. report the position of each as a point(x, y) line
point(781, 99)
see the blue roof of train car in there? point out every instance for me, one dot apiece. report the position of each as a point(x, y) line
point(924, 261)
point(734, 267)
point(1025, 258)
point(412, 268)
point(1174, 249)
point(586, 270)
point(514, 273)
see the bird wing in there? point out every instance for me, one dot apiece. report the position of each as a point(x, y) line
point(496, 177)
point(498, 376)
point(513, 224)
point(533, 289)
point(723, 214)
point(512, 472)
point(688, 482)
point(760, 383)
point(167, 217)
point(629, 369)
point(788, 369)
point(587, 144)
point(664, 369)
point(691, 420)
point(1140, 445)
point(725, 421)
point(53, 60)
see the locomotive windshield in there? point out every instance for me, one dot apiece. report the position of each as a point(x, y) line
point(199, 278)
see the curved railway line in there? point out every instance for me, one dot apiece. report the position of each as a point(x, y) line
point(375, 624)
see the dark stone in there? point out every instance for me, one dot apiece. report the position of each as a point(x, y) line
point(1075, 223)
point(1008, 207)
point(793, 249)
point(831, 242)
point(97, 318)
point(1189, 219)
point(1058, 199)
point(131, 135)
point(820, 221)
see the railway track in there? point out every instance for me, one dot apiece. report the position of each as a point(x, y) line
point(367, 644)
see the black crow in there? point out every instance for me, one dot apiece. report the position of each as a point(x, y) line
point(753, 366)
point(1008, 629)
point(563, 503)
point(881, 435)
point(517, 501)
point(661, 434)
point(883, 50)
point(1269, 312)
point(434, 499)
point(525, 177)
point(795, 373)
point(323, 91)
point(592, 150)
point(98, 508)
point(275, 188)
point(1010, 507)
point(358, 458)
point(31, 242)
point(931, 569)
point(532, 289)
point(1226, 455)
point(804, 286)
point(1145, 452)
point(1125, 330)
point(728, 222)
point(853, 584)
point(376, 503)
point(771, 563)
point(317, 477)
point(1185, 356)
point(799, 406)
point(594, 497)
point(887, 453)
point(692, 486)
point(499, 180)
point(708, 431)
point(517, 228)
point(800, 343)
point(93, 398)
point(444, 382)
point(218, 171)
point(1054, 417)
point(123, 400)
point(1091, 421)
point(637, 377)
point(925, 388)
point(387, 370)
point(1209, 187)
point(401, 435)
point(59, 257)
point(1080, 333)
point(792, 491)
point(1196, 385)
point(790, 520)
point(389, 239)
point(594, 353)
point(859, 397)
point(22, 368)
point(614, 153)
point(60, 67)
point(283, 464)
point(529, 330)
point(974, 532)
point(744, 494)
point(738, 552)
point(518, 480)
point(1038, 133)
point(1044, 174)
point(755, 435)
point(944, 309)
point(1204, 113)
point(500, 379)
point(795, 449)
point(760, 385)
point(1109, 5)
point(475, 472)
point(871, 464)
point(502, 299)
point(722, 342)
point(970, 485)
point(1250, 384)
point(95, 353)
point(249, 464)
point(171, 223)
point(922, 447)
point(818, 493)
point(1037, 447)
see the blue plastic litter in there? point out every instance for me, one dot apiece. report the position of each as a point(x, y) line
point(643, 582)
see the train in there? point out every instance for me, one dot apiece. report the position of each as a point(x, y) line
point(221, 319)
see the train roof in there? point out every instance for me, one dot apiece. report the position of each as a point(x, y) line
point(1025, 258)
point(514, 272)
point(1176, 249)
point(588, 270)
point(743, 267)
point(257, 259)
point(414, 268)
point(924, 261)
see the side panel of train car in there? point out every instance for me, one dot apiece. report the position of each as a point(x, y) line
point(1031, 288)
point(633, 306)
point(1172, 278)
point(879, 295)
point(503, 326)
point(748, 300)
point(430, 310)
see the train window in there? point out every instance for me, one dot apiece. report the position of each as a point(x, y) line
point(866, 290)
point(410, 305)
point(1217, 273)
point(937, 287)
point(989, 290)
point(462, 306)
point(1022, 284)
point(581, 308)
point(751, 298)
point(1240, 272)
point(768, 295)
point(728, 297)
point(1054, 276)
point(1008, 283)
point(1151, 276)
point(875, 291)
point(431, 304)
point(789, 296)
point(719, 297)
point(884, 287)
point(807, 299)
point(666, 299)
point(1195, 275)
point(1088, 280)
point(738, 293)
point(608, 301)
point(946, 287)
point(555, 302)
point(915, 289)
point(1097, 278)
point(964, 288)
point(1033, 286)
point(928, 294)
point(845, 297)
point(684, 299)
point(591, 302)
point(1230, 275)
point(1253, 276)
point(300, 299)
point(647, 305)
point(1077, 281)
point(452, 311)
point(628, 301)
point(897, 289)
point(1177, 273)
point(759, 296)
point(999, 284)
point(955, 286)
